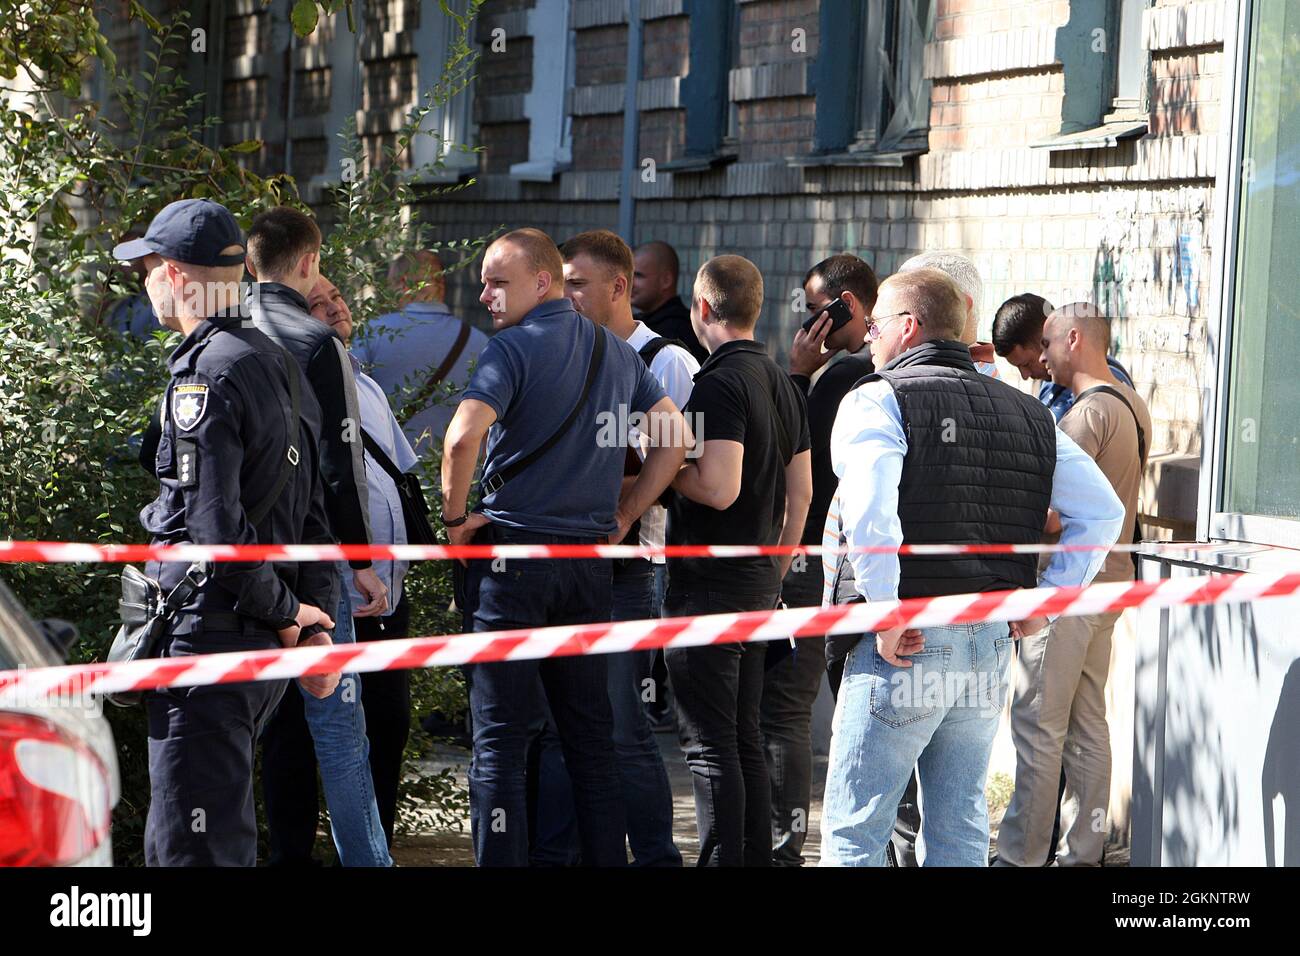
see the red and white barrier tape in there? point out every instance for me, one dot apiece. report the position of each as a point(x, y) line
point(544, 642)
point(65, 552)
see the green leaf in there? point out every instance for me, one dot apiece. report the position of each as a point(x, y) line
point(304, 17)
point(247, 146)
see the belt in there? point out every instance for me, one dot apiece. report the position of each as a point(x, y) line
point(226, 622)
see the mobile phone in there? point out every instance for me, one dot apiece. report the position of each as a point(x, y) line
point(839, 313)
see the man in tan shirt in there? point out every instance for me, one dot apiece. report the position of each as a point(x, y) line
point(1058, 714)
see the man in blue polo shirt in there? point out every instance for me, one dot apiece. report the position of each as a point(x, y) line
point(1018, 338)
point(548, 387)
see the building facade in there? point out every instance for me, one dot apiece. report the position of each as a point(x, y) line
point(1070, 148)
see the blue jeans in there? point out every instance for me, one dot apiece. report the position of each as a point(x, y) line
point(552, 824)
point(646, 790)
point(338, 731)
point(502, 700)
point(939, 716)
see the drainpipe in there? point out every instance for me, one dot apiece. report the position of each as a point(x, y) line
point(631, 125)
point(288, 105)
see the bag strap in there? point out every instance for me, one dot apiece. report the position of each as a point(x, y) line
point(657, 345)
point(291, 456)
point(1111, 390)
point(418, 401)
point(492, 483)
point(381, 458)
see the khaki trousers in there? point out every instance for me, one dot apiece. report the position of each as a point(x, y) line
point(1058, 718)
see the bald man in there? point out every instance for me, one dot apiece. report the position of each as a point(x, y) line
point(421, 355)
point(655, 270)
point(1058, 714)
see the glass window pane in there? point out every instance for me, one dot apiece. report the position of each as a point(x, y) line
point(1262, 442)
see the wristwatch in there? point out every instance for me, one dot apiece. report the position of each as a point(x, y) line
point(454, 522)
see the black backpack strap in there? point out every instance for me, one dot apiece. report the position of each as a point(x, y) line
point(657, 345)
point(492, 483)
point(291, 455)
point(1111, 390)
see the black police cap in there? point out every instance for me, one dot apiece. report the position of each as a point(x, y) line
point(192, 231)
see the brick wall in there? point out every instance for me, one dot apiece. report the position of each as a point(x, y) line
point(1120, 225)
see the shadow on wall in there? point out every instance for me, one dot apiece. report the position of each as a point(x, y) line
point(1280, 782)
point(1199, 800)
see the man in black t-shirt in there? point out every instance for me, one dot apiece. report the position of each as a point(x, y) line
point(750, 484)
point(790, 687)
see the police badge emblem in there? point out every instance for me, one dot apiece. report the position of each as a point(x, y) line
point(189, 402)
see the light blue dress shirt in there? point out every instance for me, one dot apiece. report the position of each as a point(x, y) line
point(387, 524)
point(401, 350)
point(868, 446)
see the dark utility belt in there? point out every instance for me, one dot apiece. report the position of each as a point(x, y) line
point(221, 622)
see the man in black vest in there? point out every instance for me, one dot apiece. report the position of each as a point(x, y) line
point(928, 450)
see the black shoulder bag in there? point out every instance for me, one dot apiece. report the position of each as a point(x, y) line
point(145, 611)
point(415, 507)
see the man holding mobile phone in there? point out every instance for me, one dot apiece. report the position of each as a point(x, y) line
point(840, 292)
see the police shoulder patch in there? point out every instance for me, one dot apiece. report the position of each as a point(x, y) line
point(189, 402)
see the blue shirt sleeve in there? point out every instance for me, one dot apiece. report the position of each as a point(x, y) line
point(496, 380)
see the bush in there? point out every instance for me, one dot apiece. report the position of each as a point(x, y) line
point(75, 394)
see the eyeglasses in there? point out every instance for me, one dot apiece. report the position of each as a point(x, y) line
point(876, 325)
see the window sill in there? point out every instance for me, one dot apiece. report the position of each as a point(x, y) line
point(698, 164)
point(544, 171)
point(892, 159)
point(1105, 136)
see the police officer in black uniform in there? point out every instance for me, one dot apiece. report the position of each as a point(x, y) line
point(229, 451)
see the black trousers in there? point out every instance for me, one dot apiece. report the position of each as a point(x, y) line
point(386, 698)
point(202, 743)
point(719, 689)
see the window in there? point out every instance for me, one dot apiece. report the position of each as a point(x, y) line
point(893, 96)
point(1260, 436)
point(712, 119)
point(453, 122)
point(550, 128)
point(1130, 59)
point(1105, 66)
point(873, 101)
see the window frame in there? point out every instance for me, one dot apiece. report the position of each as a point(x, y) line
point(1214, 521)
point(890, 17)
point(841, 131)
point(1115, 104)
point(455, 121)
